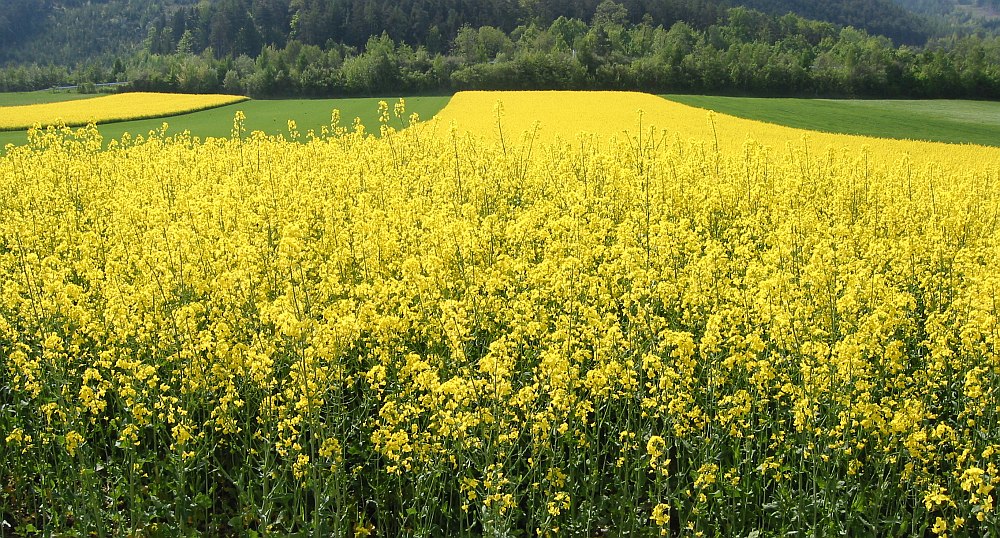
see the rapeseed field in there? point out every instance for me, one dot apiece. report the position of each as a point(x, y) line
point(681, 330)
point(110, 108)
point(545, 116)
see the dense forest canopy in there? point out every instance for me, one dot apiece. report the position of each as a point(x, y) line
point(984, 8)
point(70, 31)
point(347, 47)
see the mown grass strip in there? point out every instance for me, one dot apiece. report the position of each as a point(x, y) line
point(41, 96)
point(269, 116)
point(953, 121)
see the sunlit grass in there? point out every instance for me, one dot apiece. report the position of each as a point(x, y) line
point(958, 122)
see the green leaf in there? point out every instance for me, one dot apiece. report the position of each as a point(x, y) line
point(202, 500)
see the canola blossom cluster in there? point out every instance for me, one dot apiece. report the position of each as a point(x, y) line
point(436, 333)
point(109, 108)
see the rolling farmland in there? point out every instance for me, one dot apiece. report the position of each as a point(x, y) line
point(543, 314)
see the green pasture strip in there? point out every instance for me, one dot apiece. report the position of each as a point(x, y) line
point(269, 116)
point(960, 122)
point(42, 96)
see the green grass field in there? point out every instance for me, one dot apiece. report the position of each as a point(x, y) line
point(961, 122)
point(42, 96)
point(941, 120)
point(269, 116)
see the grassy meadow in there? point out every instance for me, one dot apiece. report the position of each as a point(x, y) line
point(269, 116)
point(41, 96)
point(957, 122)
point(539, 314)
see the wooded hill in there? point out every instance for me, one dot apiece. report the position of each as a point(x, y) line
point(72, 31)
point(267, 48)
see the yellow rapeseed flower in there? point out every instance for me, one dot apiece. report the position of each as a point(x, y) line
point(110, 108)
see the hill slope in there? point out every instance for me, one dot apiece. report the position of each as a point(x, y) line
point(69, 31)
point(880, 17)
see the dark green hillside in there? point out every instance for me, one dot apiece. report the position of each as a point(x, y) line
point(335, 48)
point(986, 9)
point(961, 15)
point(69, 31)
point(881, 17)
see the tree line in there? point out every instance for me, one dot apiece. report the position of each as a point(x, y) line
point(744, 52)
point(234, 27)
point(68, 31)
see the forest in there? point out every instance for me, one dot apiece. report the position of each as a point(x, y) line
point(312, 48)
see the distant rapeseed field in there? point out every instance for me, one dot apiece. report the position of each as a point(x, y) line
point(433, 334)
point(548, 115)
point(105, 109)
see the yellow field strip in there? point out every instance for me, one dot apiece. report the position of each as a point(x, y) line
point(550, 115)
point(111, 108)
